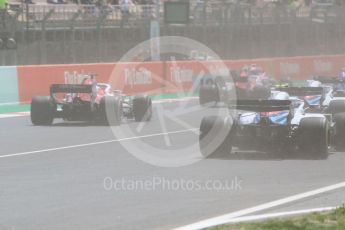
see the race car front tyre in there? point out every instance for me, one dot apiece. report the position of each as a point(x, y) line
point(216, 135)
point(208, 95)
point(313, 137)
point(42, 110)
point(142, 108)
point(111, 110)
point(339, 132)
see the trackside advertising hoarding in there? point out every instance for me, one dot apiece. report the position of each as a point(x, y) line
point(36, 80)
point(157, 77)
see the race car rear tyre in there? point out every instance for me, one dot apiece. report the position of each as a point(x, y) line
point(208, 95)
point(314, 137)
point(339, 134)
point(111, 110)
point(336, 106)
point(42, 110)
point(142, 108)
point(216, 135)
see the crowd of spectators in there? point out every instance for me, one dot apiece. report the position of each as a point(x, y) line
point(277, 2)
point(197, 6)
point(90, 2)
point(192, 2)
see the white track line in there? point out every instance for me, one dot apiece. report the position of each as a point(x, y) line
point(160, 101)
point(10, 103)
point(17, 114)
point(228, 217)
point(96, 143)
point(279, 214)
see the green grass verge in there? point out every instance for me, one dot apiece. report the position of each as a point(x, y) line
point(334, 220)
point(173, 95)
point(299, 83)
point(14, 108)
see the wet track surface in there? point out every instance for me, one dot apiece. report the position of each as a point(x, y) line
point(63, 188)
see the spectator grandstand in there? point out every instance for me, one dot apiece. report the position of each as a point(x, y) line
point(214, 11)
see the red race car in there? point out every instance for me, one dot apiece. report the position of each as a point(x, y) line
point(88, 101)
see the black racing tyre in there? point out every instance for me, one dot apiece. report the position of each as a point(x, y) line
point(42, 110)
point(339, 131)
point(111, 110)
point(216, 136)
point(260, 92)
point(142, 108)
point(208, 94)
point(336, 106)
point(313, 137)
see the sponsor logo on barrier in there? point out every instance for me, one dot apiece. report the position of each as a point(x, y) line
point(289, 68)
point(322, 66)
point(137, 77)
point(75, 77)
point(218, 70)
point(180, 75)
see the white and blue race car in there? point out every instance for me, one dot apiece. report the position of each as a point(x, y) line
point(279, 125)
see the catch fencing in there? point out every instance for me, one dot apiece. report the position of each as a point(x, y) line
point(58, 34)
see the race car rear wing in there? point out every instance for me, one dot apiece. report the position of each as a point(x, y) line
point(339, 93)
point(328, 79)
point(301, 91)
point(70, 88)
point(261, 105)
point(234, 79)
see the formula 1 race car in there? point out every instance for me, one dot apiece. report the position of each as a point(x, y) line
point(88, 101)
point(278, 125)
point(222, 89)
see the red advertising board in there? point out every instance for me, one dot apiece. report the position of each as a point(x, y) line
point(168, 77)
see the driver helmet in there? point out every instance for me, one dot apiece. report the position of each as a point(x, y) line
point(254, 70)
point(86, 81)
point(253, 67)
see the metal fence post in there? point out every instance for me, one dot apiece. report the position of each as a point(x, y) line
point(261, 12)
point(43, 43)
point(250, 15)
point(3, 30)
point(100, 21)
point(204, 16)
point(72, 30)
point(13, 53)
point(8, 31)
point(27, 15)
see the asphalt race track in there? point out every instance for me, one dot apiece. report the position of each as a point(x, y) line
point(59, 177)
